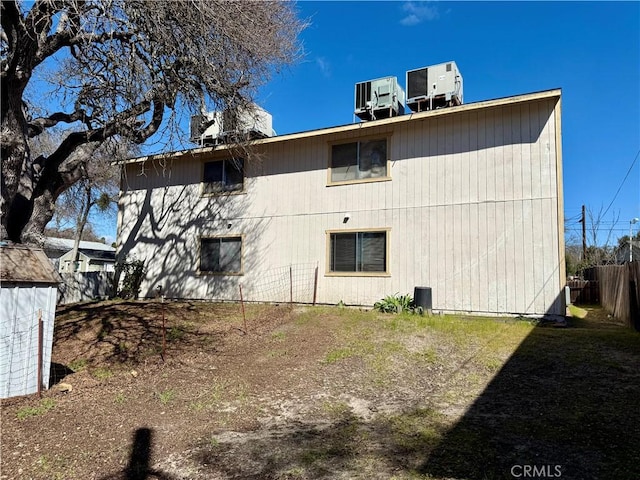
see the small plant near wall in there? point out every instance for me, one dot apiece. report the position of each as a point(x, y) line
point(397, 304)
point(134, 272)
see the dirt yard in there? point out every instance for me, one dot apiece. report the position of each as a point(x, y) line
point(325, 393)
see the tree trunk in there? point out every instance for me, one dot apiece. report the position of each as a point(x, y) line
point(42, 209)
point(15, 156)
point(81, 222)
point(31, 216)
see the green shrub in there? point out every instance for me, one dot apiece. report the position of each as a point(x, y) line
point(134, 272)
point(397, 304)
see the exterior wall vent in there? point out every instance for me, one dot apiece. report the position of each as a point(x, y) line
point(215, 128)
point(434, 87)
point(380, 98)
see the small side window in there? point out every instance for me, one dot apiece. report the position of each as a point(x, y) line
point(223, 176)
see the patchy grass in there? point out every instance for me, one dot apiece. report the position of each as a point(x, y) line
point(311, 393)
point(45, 405)
point(102, 373)
point(166, 396)
point(578, 312)
point(78, 365)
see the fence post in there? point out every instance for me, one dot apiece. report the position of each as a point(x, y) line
point(290, 284)
point(315, 285)
point(40, 348)
point(244, 318)
point(164, 330)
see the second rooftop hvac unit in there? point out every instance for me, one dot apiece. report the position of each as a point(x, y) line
point(216, 128)
point(434, 87)
point(380, 98)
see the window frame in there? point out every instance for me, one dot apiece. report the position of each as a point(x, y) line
point(225, 161)
point(357, 140)
point(213, 237)
point(386, 273)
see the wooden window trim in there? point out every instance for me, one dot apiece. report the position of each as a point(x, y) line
point(221, 274)
point(329, 273)
point(387, 136)
point(243, 191)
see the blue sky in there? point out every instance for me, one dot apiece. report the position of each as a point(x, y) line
point(589, 49)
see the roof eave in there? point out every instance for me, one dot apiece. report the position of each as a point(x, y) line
point(412, 116)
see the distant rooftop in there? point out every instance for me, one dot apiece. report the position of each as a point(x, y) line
point(66, 244)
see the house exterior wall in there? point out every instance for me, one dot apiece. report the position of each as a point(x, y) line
point(86, 264)
point(473, 210)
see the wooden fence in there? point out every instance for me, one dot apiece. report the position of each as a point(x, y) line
point(81, 287)
point(584, 292)
point(620, 291)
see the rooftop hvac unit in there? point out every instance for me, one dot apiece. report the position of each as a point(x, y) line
point(380, 98)
point(434, 87)
point(205, 128)
point(216, 128)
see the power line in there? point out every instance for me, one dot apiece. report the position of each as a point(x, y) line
point(623, 180)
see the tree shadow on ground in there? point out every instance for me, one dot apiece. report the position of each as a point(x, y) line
point(113, 333)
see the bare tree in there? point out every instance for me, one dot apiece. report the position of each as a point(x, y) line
point(97, 188)
point(600, 234)
point(122, 69)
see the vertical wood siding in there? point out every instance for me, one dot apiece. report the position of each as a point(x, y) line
point(472, 209)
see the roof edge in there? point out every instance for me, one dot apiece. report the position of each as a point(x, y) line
point(465, 107)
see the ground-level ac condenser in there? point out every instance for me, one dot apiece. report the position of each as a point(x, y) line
point(380, 98)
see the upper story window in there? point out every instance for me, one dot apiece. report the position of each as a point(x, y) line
point(223, 176)
point(359, 161)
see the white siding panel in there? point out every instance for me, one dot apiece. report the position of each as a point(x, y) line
point(472, 208)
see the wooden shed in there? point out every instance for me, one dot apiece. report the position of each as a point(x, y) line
point(28, 295)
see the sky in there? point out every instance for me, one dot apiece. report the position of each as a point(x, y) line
point(591, 50)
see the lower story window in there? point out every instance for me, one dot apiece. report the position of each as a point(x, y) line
point(221, 255)
point(358, 252)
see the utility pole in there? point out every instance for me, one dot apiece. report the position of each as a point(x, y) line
point(583, 221)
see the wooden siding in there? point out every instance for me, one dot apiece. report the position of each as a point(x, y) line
point(473, 211)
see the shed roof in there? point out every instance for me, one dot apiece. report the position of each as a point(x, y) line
point(24, 264)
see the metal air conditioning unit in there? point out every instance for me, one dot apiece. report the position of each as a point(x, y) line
point(215, 128)
point(205, 128)
point(380, 98)
point(434, 87)
point(247, 124)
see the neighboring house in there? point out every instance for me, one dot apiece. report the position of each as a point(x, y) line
point(93, 257)
point(466, 200)
point(89, 261)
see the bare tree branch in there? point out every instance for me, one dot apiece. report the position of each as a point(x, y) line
point(37, 125)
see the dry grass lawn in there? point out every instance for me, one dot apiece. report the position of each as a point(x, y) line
point(326, 393)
